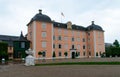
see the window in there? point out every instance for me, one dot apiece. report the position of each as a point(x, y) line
point(73, 33)
point(83, 46)
point(99, 34)
point(73, 46)
point(53, 45)
point(88, 46)
point(22, 44)
point(78, 39)
point(88, 34)
point(30, 35)
point(60, 54)
point(43, 34)
point(78, 33)
point(96, 53)
point(53, 37)
point(43, 25)
point(65, 32)
point(72, 38)
point(89, 53)
point(59, 31)
point(65, 38)
point(59, 38)
point(10, 48)
point(66, 46)
point(83, 39)
point(83, 34)
point(84, 53)
point(78, 46)
point(43, 53)
point(100, 53)
point(44, 44)
point(59, 46)
point(88, 39)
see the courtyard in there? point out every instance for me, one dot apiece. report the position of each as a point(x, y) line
point(19, 70)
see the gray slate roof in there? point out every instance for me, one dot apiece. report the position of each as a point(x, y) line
point(40, 17)
point(8, 39)
point(45, 18)
point(64, 25)
point(94, 27)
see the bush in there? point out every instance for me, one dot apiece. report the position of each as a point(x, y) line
point(3, 50)
point(65, 53)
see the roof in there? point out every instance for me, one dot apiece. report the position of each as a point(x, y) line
point(22, 38)
point(8, 39)
point(94, 27)
point(64, 25)
point(45, 18)
point(40, 17)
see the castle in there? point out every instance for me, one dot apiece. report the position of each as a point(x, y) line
point(64, 40)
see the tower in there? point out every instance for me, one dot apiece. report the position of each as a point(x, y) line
point(40, 34)
point(95, 36)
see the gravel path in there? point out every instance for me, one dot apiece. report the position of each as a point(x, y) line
point(19, 70)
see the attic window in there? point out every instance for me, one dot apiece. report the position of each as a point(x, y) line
point(58, 24)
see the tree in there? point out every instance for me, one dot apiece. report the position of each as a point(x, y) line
point(65, 53)
point(3, 50)
point(116, 43)
point(39, 53)
point(76, 54)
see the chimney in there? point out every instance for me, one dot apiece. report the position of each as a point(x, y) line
point(40, 11)
point(92, 22)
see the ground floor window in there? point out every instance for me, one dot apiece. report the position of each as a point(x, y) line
point(60, 54)
point(89, 53)
point(44, 54)
point(84, 53)
point(78, 53)
point(96, 53)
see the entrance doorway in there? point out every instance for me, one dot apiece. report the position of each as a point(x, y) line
point(73, 55)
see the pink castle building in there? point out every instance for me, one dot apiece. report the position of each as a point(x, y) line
point(48, 36)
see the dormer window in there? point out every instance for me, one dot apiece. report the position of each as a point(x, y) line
point(69, 25)
point(22, 45)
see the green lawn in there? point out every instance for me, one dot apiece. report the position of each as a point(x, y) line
point(80, 63)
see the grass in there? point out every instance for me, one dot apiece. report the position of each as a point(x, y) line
point(80, 63)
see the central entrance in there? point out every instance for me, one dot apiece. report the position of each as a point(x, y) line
point(73, 53)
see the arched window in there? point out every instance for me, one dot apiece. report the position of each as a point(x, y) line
point(59, 46)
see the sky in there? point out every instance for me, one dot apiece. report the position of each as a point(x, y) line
point(16, 14)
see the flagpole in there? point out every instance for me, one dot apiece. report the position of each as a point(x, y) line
point(61, 18)
point(62, 15)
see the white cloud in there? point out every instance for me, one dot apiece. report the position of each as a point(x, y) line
point(15, 14)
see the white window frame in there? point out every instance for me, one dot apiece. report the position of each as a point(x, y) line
point(44, 25)
point(44, 44)
point(44, 34)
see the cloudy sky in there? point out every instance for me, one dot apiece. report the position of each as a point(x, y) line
point(15, 14)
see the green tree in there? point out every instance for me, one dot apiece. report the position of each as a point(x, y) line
point(116, 43)
point(39, 53)
point(66, 54)
point(3, 50)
